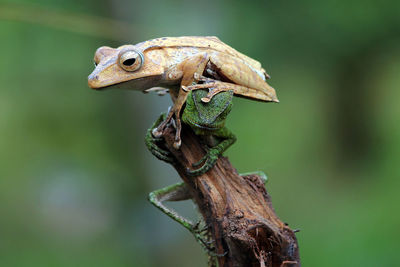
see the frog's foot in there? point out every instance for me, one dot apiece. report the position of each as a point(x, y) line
point(207, 162)
point(161, 91)
point(214, 87)
point(157, 132)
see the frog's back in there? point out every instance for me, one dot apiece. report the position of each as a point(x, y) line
point(249, 72)
point(206, 42)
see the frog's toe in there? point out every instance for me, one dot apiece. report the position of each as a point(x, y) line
point(205, 99)
point(177, 144)
point(157, 133)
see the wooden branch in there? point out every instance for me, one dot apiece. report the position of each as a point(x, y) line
point(237, 209)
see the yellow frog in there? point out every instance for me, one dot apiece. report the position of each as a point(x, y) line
point(180, 64)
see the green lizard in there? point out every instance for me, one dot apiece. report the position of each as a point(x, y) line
point(208, 121)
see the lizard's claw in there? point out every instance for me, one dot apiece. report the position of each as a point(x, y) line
point(160, 153)
point(208, 162)
point(152, 144)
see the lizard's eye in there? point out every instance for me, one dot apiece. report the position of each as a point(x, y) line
point(130, 60)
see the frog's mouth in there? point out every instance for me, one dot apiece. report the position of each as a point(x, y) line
point(139, 84)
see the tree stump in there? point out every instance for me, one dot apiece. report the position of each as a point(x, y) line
point(237, 210)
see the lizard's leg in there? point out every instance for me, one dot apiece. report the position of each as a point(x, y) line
point(152, 143)
point(178, 192)
point(175, 192)
point(214, 153)
point(191, 67)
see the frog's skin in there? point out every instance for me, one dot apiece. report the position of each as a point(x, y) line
point(179, 192)
point(206, 120)
point(177, 63)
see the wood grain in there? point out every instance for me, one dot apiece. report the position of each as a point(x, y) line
point(238, 210)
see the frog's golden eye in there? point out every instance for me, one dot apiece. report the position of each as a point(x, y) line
point(130, 60)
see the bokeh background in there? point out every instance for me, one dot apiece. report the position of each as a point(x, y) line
point(74, 171)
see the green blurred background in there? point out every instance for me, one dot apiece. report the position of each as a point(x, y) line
point(74, 171)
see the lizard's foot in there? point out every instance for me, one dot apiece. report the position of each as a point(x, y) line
point(207, 162)
point(202, 236)
point(156, 150)
point(152, 144)
point(157, 132)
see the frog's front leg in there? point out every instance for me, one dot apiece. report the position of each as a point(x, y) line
point(189, 69)
point(209, 160)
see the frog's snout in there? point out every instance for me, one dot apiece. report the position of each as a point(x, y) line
point(93, 81)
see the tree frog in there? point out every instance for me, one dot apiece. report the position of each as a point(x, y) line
point(181, 64)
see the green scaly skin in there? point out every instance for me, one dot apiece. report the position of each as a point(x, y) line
point(153, 143)
point(207, 120)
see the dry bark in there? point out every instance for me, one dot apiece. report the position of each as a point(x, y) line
point(238, 210)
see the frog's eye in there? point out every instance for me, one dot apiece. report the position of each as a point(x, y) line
point(130, 60)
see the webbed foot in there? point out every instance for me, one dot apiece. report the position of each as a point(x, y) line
point(207, 162)
point(214, 87)
point(161, 91)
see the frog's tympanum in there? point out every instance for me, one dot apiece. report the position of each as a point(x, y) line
point(180, 64)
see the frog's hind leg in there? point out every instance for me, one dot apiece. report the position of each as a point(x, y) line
point(216, 87)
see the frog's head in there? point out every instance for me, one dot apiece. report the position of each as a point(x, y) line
point(123, 67)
